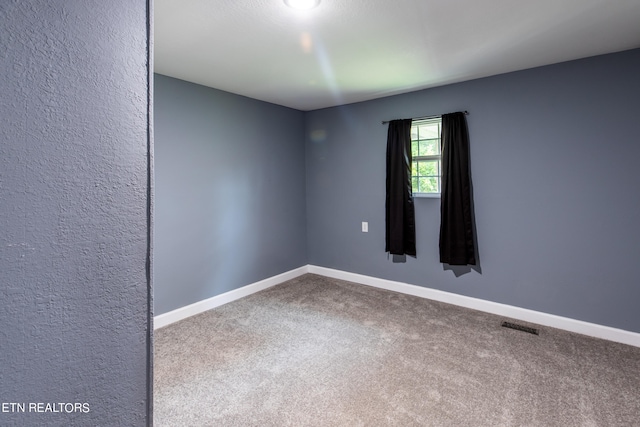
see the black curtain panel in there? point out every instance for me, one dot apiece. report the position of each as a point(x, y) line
point(400, 216)
point(456, 227)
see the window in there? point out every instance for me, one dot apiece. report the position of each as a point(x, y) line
point(426, 169)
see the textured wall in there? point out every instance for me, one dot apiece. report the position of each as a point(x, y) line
point(554, 165)
point(230, 199)
point(73, 212)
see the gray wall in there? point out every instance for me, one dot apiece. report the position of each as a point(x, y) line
point(74, 210)
point(230, 198)
point(555, 172)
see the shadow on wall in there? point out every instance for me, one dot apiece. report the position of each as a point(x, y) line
point(459, 270)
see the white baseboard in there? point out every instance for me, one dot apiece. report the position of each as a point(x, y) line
point(572, 325)
point(218, 300)
point(551, 320)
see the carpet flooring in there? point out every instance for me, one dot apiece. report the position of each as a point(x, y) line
point(316, 351)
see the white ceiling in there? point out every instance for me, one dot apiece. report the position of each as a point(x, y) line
point(346, 51)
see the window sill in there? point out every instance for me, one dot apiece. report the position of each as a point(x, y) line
point(426, 195)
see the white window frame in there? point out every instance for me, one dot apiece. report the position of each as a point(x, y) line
point(414, 131)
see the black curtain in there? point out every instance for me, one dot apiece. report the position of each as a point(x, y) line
point(400, 216)
point(456, 228)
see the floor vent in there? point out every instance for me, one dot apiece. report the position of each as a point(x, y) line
point(520, 328)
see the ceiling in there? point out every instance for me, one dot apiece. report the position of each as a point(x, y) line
point(347, 51)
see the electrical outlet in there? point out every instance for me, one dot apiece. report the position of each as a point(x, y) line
point(365, 227)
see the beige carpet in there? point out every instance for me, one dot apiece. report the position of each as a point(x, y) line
point(316, 351)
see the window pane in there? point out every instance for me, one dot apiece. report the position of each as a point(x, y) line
point(429, 131)
point(414, 148)
point(422, 184)
point(422, 169)
point(414, 184)
point(433, 168)
point(435, 184)
point(429, 147)
point(414, 133)
point(414, 168)
point(428, 184)
point(428, 168)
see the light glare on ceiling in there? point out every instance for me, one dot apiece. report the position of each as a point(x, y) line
point(302, 4)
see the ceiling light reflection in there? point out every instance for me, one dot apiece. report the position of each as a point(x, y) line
point(302, 4)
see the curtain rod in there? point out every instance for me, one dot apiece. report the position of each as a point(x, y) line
point(466, 113)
